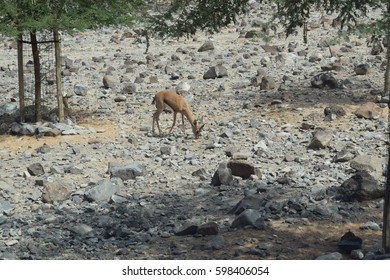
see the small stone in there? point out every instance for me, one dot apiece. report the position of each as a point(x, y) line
point(268, 83)
point(214, 72)
point(362, 69)
point(357, 254)
point(321, 139)
point(35, 169)
point(54, 191)
point(370, 226)
point(81, 229)
point(187, 230)
point(210, 228)
point(207, 46)
point(249, 217)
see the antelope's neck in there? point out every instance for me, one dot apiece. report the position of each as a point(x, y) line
point(189, 116)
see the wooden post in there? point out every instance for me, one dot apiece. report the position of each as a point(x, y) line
point(21, 78)
point(58, 63)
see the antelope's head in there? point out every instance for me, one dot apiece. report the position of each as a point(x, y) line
point(197, 127)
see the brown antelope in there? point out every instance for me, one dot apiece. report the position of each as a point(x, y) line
point(179, 105)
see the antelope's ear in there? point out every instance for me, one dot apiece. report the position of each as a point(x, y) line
point(201, 127)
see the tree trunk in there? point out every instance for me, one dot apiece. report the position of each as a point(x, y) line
point(21, 79)
point(387, 73)
point(57, 48)
point(37, 76)
point(386, 208)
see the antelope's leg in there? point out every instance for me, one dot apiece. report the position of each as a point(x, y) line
point(174, 122)
point(156, 117)
point(182, 119)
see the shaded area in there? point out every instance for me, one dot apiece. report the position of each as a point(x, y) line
point(143, 226)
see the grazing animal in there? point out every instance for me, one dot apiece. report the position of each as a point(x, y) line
point(179, 105)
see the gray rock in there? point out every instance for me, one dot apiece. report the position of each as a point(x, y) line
point(370, 226)
point(129, 88)
point(74, 170)
point(207, 46)
point(23, 129)
point(80, 89)
point(214, 72)
point(110, 82)
point(347, 153)
point(126, 171)
point(187, 230)
point(167, 150)
point(6, 207)
point(222, 176)
point(360, 187)
point(201, 173)
point(367, 163)
point(6, 186)
point(268, 83)
point(348, 242)
point(249, 217)
point(45, 148)
point(81, 229)
point(248, 202)
point(103, 190)
point(357, 254)
point(3, 219)
point(36, 169)
point(120, 98)
point(55, 192)
point(362, 69)
point(323, 80)
point(321, 139)
point(183, 88)
point(227, 133)
point(243, 169)
point(333, 112)
point(8, 108)
point(210, 228)
point(368, 110)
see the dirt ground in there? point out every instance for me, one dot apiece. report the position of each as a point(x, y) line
point(296, 240)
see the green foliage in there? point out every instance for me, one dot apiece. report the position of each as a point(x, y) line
point(33, 15)
point(185, 17)
point(294, 14)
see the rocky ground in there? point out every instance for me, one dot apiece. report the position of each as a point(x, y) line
point(103, 186)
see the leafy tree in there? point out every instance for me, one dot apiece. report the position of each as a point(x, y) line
point(294, 14)
point(186, 17)
point(19, 17)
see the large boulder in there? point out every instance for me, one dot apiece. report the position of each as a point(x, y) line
point(360, 187)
